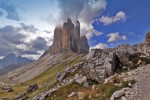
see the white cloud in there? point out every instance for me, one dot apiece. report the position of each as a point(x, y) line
point(115, 37)
point(100, 46)
point(1, 57)
point(106, 20)
point(92, 32)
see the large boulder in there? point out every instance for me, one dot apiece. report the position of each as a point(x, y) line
point(100, 64)
point(32, 88)
point(123, 52)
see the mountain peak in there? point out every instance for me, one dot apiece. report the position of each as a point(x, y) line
point(68, 39)
point(10, 56)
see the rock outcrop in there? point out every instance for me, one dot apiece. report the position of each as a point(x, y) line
point(100, 64)
point(67, 39)
point(123, 52)
point(147, 38)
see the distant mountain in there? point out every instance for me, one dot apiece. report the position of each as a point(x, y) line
point(11, 62)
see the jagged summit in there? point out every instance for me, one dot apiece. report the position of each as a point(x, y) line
point(67, 39)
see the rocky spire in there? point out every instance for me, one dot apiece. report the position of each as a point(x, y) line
point(67, 39)
point(76, 37)
point(67, 35)
point(57, 43)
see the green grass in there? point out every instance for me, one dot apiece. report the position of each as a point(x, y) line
point(105, 91)
point(62, 93)
point(46, 77)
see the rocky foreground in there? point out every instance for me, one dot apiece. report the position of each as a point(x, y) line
point(140, 90)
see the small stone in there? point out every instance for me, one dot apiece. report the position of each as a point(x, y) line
point(129, 84)
point(90, 96)
point(80, 79)
point(81, 95)
point(146, 75)
point(117, 94)
point(21, 96)
point(94, 87)
point(124, 98)
point(97, 95)
point(72, 94)
point(130, 73)
point(125, 89)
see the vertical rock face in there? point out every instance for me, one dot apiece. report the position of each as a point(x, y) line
point(56, 47)
point(68, 39)
point(68, 29)
point(76, 37)
point(84, 46)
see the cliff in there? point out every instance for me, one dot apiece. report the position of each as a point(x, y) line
point(67, 39)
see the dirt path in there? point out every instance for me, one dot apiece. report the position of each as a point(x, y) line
point(141, 89)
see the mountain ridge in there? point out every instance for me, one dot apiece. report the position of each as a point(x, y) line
point(12, 61)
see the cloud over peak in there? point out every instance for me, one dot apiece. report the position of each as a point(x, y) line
point(82, 10)
point(106, 20)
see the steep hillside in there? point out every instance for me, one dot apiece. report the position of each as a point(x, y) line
point(33, 73)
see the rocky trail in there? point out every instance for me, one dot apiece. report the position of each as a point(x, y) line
point(141, 89)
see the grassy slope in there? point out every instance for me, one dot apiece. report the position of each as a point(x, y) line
point(104, 91)
point(46, 77)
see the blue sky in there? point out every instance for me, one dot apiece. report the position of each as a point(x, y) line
point(134, 27)
point(26, 26)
